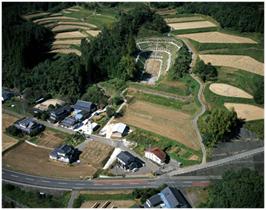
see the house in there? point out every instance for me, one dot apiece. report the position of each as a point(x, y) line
point(59, 114)
point(29, 126)
point(119, 130)
point(156, 155)
point(129, 162)
point(64, 153)
point(73, 121)
point(84, 106)
point(169, 197)
point(7, 95)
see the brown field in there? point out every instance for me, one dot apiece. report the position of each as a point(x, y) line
point(188, 25)
point(114, 203)
point(95, 154)
point(173, 124)
point(44, 105)
point(41, 14)
point(70, 35)
point(217, 37)
point(183, 19)
point(229, 90)
point(152, 66)
point(235, 61)
point(246, 111)
point(7, 120)
point(34, 160)
point(54, 18)
point(93, 32)
point(7, 142)
point(66, 51)
point(67, 42)
point(50, 139)
point(68, 27)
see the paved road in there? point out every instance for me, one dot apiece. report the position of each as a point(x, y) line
point(217, 162)
point(101, 184)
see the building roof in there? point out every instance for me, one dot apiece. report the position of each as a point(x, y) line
point(69, 121)
point(83, 105)
point(173, 198)
point(158, 152)
point(6, 94)
point(153, 201)
point(27, 123)
point(126, 157)
point(119, 127)
point(61, 110)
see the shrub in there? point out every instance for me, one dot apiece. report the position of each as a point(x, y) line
point(110, 111)
point(13, 131)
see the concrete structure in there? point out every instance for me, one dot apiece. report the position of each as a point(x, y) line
point(156, 155)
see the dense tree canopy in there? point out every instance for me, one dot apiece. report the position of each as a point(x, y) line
point(181, 65)
point(205, 71)
point(245, 17)
point(259, 91)
point(217, 126)
point(241, 189)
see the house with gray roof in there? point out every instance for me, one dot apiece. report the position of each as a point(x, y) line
point(84, 106)
point(129, 162)
point(64, 153)
point(29, 126)
point(59, 114)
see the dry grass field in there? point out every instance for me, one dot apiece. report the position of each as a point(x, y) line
point(93, 32)
point(229, 90)
point(33, 160)
point(7, 120)
point(246, 111)
point(217, 37)
point(40, 14)
point(77, 23)
point(152, 66)
point(50, 139)
point(183, 19)
point(44, 105)
point(95, 154)
point(59, 28)
point(189, 25)
point(54, 18)
point(173, 124)
point(114, 203)
point(66, 51)
point(70, 35)
point(235, 61)
point(67, 42)
point(7, 142)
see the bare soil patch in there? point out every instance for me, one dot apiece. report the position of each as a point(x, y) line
point(36, 161)
point(114, 203)
point(173, 124)
point(7, 142)
point(183, 19)
point(217, 37)
point(188, 25)
point(229, 90)
point(50, 139)
point(152, 66)
point(44, 105)
point(96, 154)
point(70, 35)
point(246, 111)
point(235, 61)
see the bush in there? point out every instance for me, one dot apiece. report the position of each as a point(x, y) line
point(110, 111)
point(13, 131)
point(75, 139)
point(117, 100)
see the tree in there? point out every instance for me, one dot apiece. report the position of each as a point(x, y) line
point(110, 111)
point(95, 95)
point(259, 91)
point(240, 189)
point(126, 68)
point(217, 125)
point(205, 72)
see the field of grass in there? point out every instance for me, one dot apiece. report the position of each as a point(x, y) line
point(32, 199)
point(194, 30)
point(174, 149)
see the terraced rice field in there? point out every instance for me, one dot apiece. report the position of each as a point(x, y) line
point(91, 26)
point(235, 61)
point(66, 51)
point(246, 111)
point(217, 37)
point(35, 15)
point(70, 35)
point(229, 91)
point(183, 19)
point(55, 18)
point(191, 25)
point(93, 32)
point(164, 121)
point(63, 28)
point(67, 42)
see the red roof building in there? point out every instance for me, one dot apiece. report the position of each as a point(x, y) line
point(156, 155)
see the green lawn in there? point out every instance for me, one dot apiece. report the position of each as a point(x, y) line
point(32, 199)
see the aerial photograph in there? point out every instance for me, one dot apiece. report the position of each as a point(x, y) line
point(132, 104)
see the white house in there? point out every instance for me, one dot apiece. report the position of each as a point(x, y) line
point(156, 155)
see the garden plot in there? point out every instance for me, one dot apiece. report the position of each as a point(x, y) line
point(34, 160)
point(183, 19)
point(66, 51)
point(217, 37)
point(235, 61)
point(96, 154)
point(70, 35)
point(191, 25)
point(246, 111)
point(161, 120)
point(229, 91)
